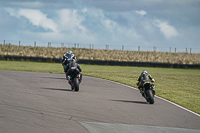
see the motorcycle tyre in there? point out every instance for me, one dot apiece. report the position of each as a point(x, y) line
point(76, 84)
point(150, 97)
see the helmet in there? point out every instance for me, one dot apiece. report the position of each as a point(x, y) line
point(144, 71)
point(69, 53)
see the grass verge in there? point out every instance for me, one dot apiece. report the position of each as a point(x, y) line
point(177, 85)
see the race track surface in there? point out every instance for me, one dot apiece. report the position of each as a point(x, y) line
point(44, 103)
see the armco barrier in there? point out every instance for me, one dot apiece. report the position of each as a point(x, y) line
point(26, 58)
point(100, 62)
point(139, 64)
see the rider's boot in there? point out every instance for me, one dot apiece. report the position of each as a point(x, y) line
point(141, 91)
point(66, 75)
point(72, 87)
point(69, 79)
point(80, 78)
point(153, 90)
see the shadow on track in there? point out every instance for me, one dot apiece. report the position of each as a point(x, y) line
point(57, 89)
point(54, 78)
point(126, 101)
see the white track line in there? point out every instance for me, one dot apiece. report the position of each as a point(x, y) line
point(156, 96)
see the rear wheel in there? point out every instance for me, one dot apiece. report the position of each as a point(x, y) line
point(150, 97)
point(76, 84)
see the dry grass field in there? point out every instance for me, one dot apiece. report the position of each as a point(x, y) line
point(96, 54)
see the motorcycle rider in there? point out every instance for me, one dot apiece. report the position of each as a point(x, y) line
point(70, 68)
point(144, 76)
point(67, 58)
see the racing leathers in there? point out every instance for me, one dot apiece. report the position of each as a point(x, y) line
point(70, 68)
point(66, 60)
point(143, 77)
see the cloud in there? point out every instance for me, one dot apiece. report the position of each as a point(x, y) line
point(71, 20)
point(12, 12)
point(28, 4)
point(37, 4)
point(36, 17)
point(142, 12)
point(84, 25)
point(168, 30)
point(102, 22)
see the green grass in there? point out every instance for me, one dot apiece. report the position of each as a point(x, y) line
point(177, 85)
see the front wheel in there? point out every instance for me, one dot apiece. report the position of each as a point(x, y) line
point(150, 97)
point(76, 84)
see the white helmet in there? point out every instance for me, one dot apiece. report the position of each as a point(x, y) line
point(144, 71)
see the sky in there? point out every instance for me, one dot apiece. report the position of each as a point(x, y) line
point(132, 23)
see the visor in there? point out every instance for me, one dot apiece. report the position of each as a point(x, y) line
point(69, 55)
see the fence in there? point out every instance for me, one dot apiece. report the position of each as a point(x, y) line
point(103, 46)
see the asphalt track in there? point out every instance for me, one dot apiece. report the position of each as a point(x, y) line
point(44, 103)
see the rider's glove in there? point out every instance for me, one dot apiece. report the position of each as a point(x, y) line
point(137, 83)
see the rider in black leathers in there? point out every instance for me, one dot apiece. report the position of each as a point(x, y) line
point(67, 58)
point(144, 76)
point(70, 68)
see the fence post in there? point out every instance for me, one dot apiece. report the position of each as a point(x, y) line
point(49, 44)
point(78, 45)
point(138, 48)
point(34, 44)
point(122, 47)
point(90, 46)
point(175, 50)
point(19, 43)
point(186, 50)
point(4, 42)
point(107, 46)
point(190, 50)
point(62, 44)
point(170, 49)
point(154, 48)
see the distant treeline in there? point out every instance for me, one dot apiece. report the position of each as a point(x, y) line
point(100, 62)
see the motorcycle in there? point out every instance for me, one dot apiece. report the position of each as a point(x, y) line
point(75, 79)
point(148, 91)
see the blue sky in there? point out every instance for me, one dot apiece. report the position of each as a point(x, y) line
point(132, 23)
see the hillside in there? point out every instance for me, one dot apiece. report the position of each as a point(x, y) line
point(96, 54)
